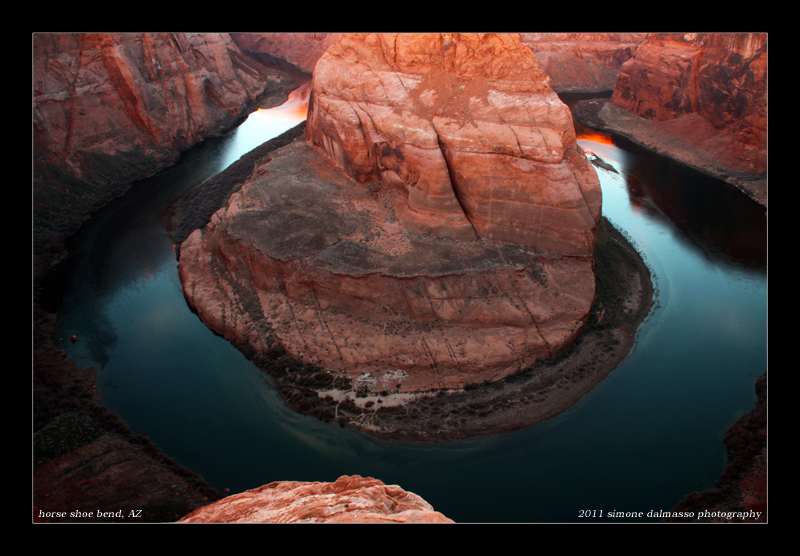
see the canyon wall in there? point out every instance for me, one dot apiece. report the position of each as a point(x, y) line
point(349, 499)
point(582, 62)
point(112, 108)
point(575, 62)
point(299, 49)
point(435, 230)
point(701, 98)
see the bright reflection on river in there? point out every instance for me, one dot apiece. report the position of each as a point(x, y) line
point(269, 122)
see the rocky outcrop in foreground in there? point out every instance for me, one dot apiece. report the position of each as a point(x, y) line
point(582, 62)
point(347, 500)
point(437, 230)
point(700, 98)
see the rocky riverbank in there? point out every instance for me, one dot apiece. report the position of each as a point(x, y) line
point(625, 296)
point(742, 489)
point(670, 139)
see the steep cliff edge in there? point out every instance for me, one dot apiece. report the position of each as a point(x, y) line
point(466, 128)
point(347, 500)
point(299, 49)
point(409, 248)
point(700, 98)
point(582, 62)
point(109, 109)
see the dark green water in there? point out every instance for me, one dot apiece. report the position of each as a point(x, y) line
point(647, 436)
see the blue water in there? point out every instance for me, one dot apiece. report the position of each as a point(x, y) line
point(647, 436)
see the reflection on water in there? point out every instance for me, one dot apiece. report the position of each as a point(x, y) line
point(713, 217)
point(647, 436)
point(125, 245)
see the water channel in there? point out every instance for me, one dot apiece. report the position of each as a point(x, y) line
point(647, 436)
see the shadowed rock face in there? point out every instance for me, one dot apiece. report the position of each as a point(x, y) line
point(404, 254)
point(104, 103)
point(300, 49)
point(582, 62)
point(708, 87)
point(352, 499)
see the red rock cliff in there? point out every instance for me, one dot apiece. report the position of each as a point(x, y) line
point(702, 96)
point(582, 62)
point(300, 49)
point(109, 109)
point(439, 233)
point(467, 128)
point(133, 96)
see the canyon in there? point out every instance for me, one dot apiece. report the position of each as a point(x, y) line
point(416, 160)
point(109, 109)
point(460, 221)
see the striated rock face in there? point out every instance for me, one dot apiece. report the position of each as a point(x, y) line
point(467, 128)
point(410, 249)
point(703, 94)
point(582, 62)
point(300, 49)
point(347, 500)
point(133, 97)
point(720, 76)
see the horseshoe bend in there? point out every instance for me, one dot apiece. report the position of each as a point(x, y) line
point(429, 259)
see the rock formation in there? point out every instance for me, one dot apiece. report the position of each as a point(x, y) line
point(347, 500)
point(134, 96)
point(109, 109)
point(701, 97)
point(437, 229)
point(467, 128)
point(300, 49)
point(582, 62)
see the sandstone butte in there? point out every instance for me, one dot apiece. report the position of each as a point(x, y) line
point(350, 499)
point(436, 228)
point(701, 98)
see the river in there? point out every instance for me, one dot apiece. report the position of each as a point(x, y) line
point(644, 438)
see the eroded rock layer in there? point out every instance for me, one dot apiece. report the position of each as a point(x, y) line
point(467, 128)
point(366, 263)
point(582, 62)
point(349, 499)
point(702, 97)
point(300, 49)
point(100, 98)
point(304, 257)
